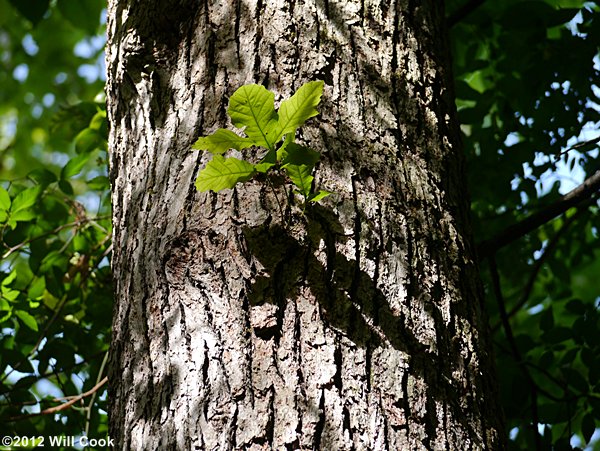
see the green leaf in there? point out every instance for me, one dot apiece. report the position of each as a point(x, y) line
point(221, 141)
point(299, 163)
point(99, 122)
point(547, 319)
point(10, 278)
point(588, 427)
point(33, 10)
point(84, 15)
point(321, 194)
point(300, 175)
point(294, 111)
point(263, 167)
point(300, 155)
point(221, 173)
point(87, 140)
point(27, 319)
point(253, 107)
point(43, 176)
point(25, 199)
point(99, 183)
point(4, 199)
point(74, 166)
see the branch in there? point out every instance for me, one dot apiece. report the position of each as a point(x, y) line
point(65, 405)
point(535, 418)
point(463, 12)
point(583, 146)
point(539, 263)
point(512, 233)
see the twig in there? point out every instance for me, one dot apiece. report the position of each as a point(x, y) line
point(512, 233)
point(515, 351)
point(62, 303)
point(578, 146)
point(77, 223)
point(65, 405)
point(88, 417)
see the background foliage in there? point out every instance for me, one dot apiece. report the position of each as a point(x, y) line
point(56, 295)
point(525, 82)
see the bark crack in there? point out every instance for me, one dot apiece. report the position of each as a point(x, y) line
point(320, 426)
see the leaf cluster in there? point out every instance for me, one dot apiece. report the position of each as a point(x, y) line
point(252, 109)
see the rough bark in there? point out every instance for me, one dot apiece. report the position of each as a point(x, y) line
point(356, 325)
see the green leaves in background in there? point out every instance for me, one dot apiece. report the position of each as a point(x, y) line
point(55, 281)
point(252, 108)
point(32, 10)
point(527, 93)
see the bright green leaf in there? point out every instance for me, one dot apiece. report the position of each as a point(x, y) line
point(263, 167)
point(74, 166)
point(27, 319)
point(9, 279)
point(253, 107)
point(4, 199)
point(221, 173)
point(25, 199)
point(316, 197)
point(221, 141)
point(294, 111)
point(98, 122)
point(10, 295)
point(23, 216)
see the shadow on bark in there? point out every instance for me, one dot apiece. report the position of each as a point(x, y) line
point(349, 300)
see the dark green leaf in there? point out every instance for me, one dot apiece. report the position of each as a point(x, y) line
point(82, 14)
point(588, 427)
point(32, 10)
point(88, 140)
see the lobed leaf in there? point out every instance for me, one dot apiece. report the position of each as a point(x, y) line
point(221, 141)
point(296, 110)
point(300, 155)
point(300, 175)
point(253, 107)
point(221, 173)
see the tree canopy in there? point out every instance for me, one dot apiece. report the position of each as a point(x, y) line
point(525, 74)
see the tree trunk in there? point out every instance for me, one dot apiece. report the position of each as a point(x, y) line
point(242, 322)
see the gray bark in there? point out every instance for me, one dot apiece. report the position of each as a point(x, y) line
point(355, 325)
